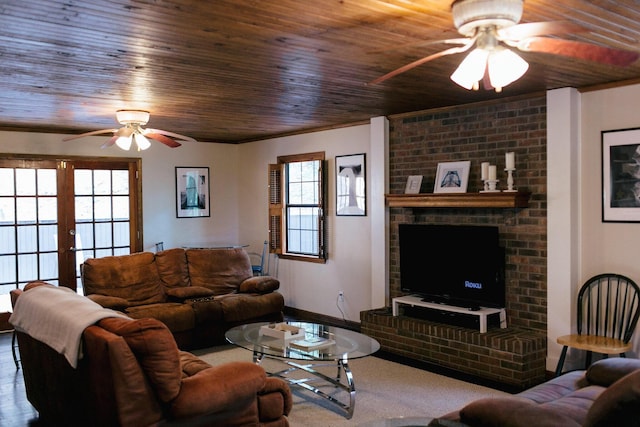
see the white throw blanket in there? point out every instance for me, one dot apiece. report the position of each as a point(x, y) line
point(57, 316)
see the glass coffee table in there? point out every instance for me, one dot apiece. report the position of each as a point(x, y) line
point(306, 347)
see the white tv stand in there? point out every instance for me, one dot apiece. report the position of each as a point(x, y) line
point(482, 313)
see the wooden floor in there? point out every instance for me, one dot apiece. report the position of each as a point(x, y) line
point(15, 409)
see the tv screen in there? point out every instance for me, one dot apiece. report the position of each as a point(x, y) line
point(453, 264)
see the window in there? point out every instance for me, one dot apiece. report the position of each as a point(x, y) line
point(296, 207)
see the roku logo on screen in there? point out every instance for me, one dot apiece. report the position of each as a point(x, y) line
point(472, 285)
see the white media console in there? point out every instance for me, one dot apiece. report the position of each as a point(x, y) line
point(482, 313)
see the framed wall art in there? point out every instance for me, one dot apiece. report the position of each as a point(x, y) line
point(192, 192)
point(621, 175)
point(351, 196)
point(452, 177)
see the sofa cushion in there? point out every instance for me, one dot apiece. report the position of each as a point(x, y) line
point(155, 349)
point(133, 277)
point(172, 267)
point(618, 405)
point(221, 270)
point(176, 316)
point(512, 412)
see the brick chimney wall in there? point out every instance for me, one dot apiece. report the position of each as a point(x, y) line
point(481, 132)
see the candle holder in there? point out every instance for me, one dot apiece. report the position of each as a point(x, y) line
point(510, 187)
point(490, 186)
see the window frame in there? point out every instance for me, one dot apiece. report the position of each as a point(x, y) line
point(279, 205)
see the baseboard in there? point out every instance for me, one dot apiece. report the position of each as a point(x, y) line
point(309, 316)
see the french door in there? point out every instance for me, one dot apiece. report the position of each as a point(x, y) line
point(55, 213)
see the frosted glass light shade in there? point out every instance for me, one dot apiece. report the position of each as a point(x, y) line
point(124, 142)
point(471, 69)
point(505, 67)
point(141, 141)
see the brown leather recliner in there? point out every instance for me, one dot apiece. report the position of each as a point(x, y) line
point(132, 374)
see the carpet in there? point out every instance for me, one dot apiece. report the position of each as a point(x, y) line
point(384, 389)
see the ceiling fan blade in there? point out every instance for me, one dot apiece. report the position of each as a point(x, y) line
point(110, 142)
point(163, 139)
point(580, 50)
point(167, 133)
point(95, 132)
point(414, 64)
point(421, 43)
point(532, 29)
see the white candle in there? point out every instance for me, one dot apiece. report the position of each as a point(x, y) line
point(484, 170)
point(510, 160)
point(492, 172)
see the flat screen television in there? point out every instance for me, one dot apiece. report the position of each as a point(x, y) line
point(453, 264)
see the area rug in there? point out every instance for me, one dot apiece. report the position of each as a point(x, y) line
point(384, 390)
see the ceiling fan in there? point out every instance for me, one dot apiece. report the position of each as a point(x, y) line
point(132, 130)
point(492, 27)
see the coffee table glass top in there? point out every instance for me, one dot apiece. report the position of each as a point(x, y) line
point(321, 342)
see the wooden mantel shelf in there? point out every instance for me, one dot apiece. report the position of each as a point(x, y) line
point(518, 199)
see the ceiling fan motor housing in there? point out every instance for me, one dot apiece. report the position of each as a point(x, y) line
point(137, 117)
point(468, 15)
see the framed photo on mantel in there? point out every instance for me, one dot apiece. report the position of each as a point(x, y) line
point(452, 177)
point(414, 182)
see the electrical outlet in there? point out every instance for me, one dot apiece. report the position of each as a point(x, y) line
point(341, 296)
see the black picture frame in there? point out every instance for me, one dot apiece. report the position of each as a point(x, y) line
point(621, 175)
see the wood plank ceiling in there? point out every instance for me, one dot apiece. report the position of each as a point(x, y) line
point(240, 70)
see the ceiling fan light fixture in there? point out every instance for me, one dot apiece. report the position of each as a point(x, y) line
point(468, 15)
point(505, 67)
point(471, 69)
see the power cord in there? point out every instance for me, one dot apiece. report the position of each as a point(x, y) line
point(339, 308)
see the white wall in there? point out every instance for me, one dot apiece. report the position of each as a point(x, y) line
point(311, 286)
point(158, 183)
point(597, 247)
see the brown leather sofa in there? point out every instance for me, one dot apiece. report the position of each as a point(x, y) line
point(131, 373)
point(198, 293)
point(606, 394)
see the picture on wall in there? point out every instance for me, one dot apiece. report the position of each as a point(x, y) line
point(350, 185)
point(621, 175)
point(452, 177)
point(192, 192)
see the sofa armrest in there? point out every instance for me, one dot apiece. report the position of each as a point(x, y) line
point(259, 284)
point(607, 371)
point(114, 303)
point(275, 399)
point(218, 389)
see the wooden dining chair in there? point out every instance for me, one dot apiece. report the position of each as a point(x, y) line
point(608, 310)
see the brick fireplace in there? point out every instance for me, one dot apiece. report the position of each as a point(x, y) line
point(477, 132)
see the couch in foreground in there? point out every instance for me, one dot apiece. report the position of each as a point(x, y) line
point(131, 373)
point(198, 293)
point(606, 394)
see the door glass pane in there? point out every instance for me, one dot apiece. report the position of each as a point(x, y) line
point(121, 182)
point(84, 208)
point(103, 235)
point(102, 208)
point(27, 268)
point(26, 210)
point(27, 239)
point(83, 182)
point(47, 182)
point(6, 179)
point(121, 234)
point(25, 182)
point(121, 207)
point(102, 182)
